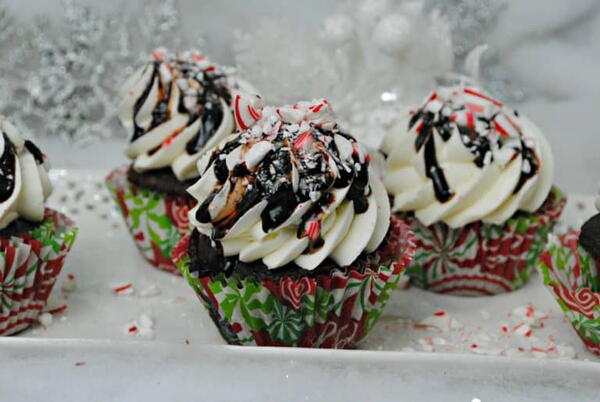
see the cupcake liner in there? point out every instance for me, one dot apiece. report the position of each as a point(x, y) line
point(325, 311)
point(571, 275)
point(479, 258)
point(29, 266)
point(157, 222)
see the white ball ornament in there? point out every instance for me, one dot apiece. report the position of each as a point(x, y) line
point(370, 11)
point(337, 29)
point(393, 35)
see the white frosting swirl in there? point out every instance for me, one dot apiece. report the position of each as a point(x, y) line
point(292, 188)
point(24, 182)
point(464, 156)
point(176, 107)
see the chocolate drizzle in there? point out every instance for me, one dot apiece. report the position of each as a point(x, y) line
point(482, 128)
point(425, 138)
point(8, 168)
point(208, 87)
point(529, 168)
point(272, 180)
point(211, 120)
point(35, 151)
point(137, 130)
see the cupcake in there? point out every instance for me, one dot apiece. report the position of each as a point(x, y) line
point(293, 241)
point(174, 108)
point(474, 180)
point(34, 240)
point(571, 270)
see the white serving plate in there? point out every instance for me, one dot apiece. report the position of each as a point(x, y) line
point(84, 370)
point(183, 354)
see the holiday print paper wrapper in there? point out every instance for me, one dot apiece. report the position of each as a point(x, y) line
point(157, 222)
point(29, 266)
point(479, 258)
point(326, 311)
point(571, 275)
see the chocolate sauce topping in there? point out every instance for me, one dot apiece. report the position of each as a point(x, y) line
point(475, 131)
point(8, 168)
point(209, 88)
point(137, 130)
point(35, 151)
point(426, 138)
point(311, 154)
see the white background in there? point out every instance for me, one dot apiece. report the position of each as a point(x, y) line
point(550, 46)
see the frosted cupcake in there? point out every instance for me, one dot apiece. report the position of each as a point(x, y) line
point(294, 243)
point(474, 179)
point(175, 107)
point(34, 240)
point(571, 270)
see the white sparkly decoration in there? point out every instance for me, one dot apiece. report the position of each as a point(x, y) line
point(368, 59)
point(394, 34)
point(61, 78)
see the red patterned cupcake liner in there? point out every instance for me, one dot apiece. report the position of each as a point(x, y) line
point(157, 222)
point(29, 266)
point(571, 275)
point(479, 258)
point(333, 310)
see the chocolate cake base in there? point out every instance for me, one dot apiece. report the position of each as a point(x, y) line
point(590, 236)
point(206, 259)
point(161, 181)
point(18, 227)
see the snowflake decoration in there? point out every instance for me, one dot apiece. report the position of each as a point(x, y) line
point(63, 79)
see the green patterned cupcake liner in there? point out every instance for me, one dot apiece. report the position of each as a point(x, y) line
point(479, 258)
point(157, 222)
point(29, 266)
point(332, 310)
point(571, 275)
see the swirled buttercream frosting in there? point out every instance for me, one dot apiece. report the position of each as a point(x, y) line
point(292, 188)
point(175, 107)
point(463, 157)
point(24, 183)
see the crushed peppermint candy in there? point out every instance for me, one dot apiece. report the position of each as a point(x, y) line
point(522, 335)
point(442, 321)
point(528, 314)
point(125, 289)
point(488, 129)
point(150, 291)
point(69, 284)
point(142, 327)
point(289, 156)
point(45, 319)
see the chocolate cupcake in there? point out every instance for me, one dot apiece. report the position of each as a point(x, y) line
point(174, 107)
point(474, 179)
point(294, 244)
point(571, 270)
point(34, 240)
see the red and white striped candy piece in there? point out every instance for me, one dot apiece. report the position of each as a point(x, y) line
point(293, 114)
point(247, 109)
point(303, 140)
point(313, 228)
point(159, 54)
point(320, 113)
point(475, 97)
point(506, 126)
